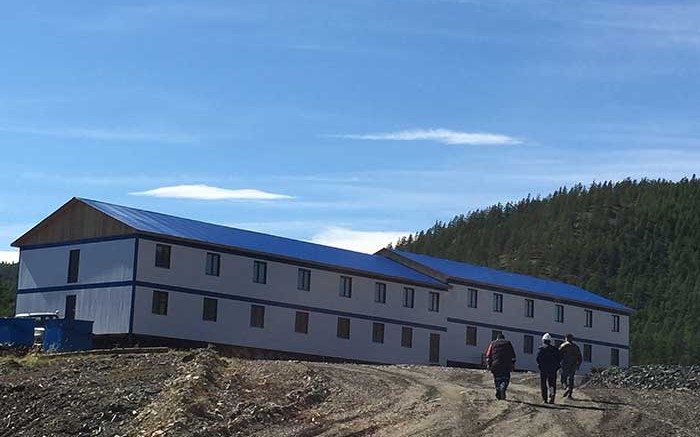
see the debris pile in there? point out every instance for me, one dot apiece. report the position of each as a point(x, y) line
point(654, 377)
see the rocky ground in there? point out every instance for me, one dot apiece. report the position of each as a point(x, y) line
point(199, 393)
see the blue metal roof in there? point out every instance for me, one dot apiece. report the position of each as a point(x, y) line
point(163, 224)
point(469, 272)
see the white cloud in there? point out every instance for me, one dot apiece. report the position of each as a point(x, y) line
point(444, 136)
point(359, 241)
point(206, 192)
point(122, 135)
point(9, 256)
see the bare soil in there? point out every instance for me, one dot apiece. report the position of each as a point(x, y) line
point(199, 393)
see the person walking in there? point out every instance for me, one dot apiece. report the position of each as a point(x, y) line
point(500, 360)
point(571, 360)
point(548, 360)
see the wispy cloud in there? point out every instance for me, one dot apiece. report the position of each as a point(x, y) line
point(360, 241)
point(444, 136)
point(206, 192)
point(9, 256)
point(121, 135)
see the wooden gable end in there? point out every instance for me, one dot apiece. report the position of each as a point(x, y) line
point(73, 221)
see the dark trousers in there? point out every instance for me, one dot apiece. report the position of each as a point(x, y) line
point(501, 379)
point(567, 377)
point(548, 379)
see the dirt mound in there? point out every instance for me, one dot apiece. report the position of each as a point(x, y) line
point(198, 393)
point(658, 377)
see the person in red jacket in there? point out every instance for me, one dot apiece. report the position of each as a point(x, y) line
point(500, 360)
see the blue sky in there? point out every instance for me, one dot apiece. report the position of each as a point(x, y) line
point(347, 122)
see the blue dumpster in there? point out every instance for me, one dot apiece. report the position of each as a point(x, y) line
point(64, 335)
point(17, 331)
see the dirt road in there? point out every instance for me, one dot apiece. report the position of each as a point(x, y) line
point(201, 394)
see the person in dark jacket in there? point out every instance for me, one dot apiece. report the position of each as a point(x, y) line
point(548, 360)
point(500, 360)
point(571, 360)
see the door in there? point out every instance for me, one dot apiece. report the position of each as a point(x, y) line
point(434, 348)
point(70, 307)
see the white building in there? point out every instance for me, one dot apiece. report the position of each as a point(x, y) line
point(154, 278)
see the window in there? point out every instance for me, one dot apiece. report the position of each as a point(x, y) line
point(587, 353)
point(406, 337)
point(378, 332)
point(614, 357)
point(616, 323)
point(589, 318)
point(301, 322)
point(304, 280)
point(345, 287)
point(213, 264)
point(380, 292)
point(260, 272)
point(495, 334)
point(528, 344)
point(69, 314)
point(209, 309)
point(163, 256)
point(473, 297)
point(529, 308)
point(409, 295)
point(159, 305)
point(257, 316)
point(559, 313)
point(471, 335)
point(343, 328)
point(497, 303)
point(434, 302)
point(434, 348)
point(73, 265)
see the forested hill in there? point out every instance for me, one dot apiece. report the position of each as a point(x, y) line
point(637, 242)
point(8, 286)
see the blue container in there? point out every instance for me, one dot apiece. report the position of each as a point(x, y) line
point(17, 332)
point(67, 335)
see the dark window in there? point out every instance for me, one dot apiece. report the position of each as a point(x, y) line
point(301, 322)
point(257, 316)
point(406, 337)
point(559, 313)
point(434, 302)
point(163, 256)
point(213, 264)
point(378, 332)
point(529, 308)
point(471, 335)
point(380, 292)
point(209, 309)
point(159, 305)
point(434, 355)
point(343, 328)
point(70, 307)
point(473, 297)
point(409, 295)
point(73, 265)
point(304, 280)
point(528, 344)
point(497, 303)
point(587, 353)
point(259, 272)
point(616, 323)
point(494, 334)
point(345, 286)
point(614, 357)
point(589, 318)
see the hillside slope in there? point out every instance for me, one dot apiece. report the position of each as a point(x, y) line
point(637, 242)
